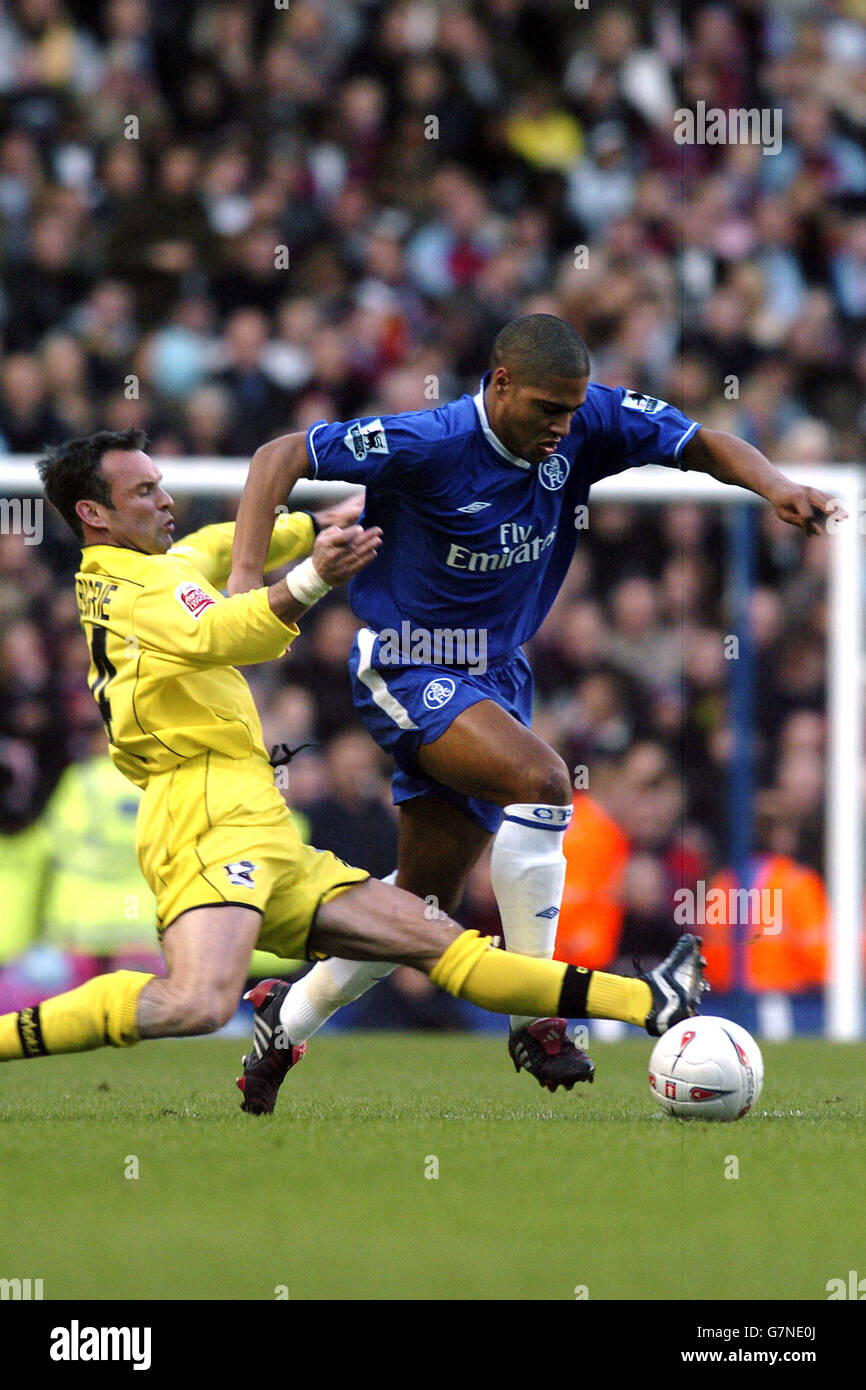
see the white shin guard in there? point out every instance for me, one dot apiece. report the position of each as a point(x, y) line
point(527, 870)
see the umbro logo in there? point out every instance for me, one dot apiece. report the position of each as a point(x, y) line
point(474, 507)
point(548, 912)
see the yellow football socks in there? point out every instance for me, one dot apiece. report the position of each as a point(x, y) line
point(618, 996)
point(472, 969)
point(100, 1013)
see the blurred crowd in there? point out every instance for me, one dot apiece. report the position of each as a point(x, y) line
point(223, 221)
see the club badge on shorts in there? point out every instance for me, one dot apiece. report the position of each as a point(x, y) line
point(241, 873)
point(438, 692)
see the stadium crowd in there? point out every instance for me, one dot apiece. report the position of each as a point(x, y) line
point(225, 221)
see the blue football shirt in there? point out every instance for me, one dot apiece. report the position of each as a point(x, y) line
point(475, 537)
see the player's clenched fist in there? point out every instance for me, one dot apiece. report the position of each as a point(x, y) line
point(339, 554)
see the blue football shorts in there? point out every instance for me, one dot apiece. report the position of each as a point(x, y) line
point(404, 706)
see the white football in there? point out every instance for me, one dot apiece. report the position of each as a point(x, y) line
point(706, 1069)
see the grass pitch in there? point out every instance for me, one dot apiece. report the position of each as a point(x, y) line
point(422, 1167)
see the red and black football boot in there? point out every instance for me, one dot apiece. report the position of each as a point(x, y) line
point(544, 1049)
point(273, 1053)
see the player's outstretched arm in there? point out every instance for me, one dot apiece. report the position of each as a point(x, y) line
point(732, 460)
point(274, 469)
point(193, 622)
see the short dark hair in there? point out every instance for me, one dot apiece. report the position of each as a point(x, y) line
point(73, 471)
point(538, 347)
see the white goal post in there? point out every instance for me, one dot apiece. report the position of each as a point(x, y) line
point(846, 680)
point(845, 661)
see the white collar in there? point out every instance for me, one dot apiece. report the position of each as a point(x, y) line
point(491, 438)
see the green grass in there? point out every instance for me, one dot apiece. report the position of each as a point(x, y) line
point(536, 1194)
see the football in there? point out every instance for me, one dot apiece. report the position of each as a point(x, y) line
point(706, 1069)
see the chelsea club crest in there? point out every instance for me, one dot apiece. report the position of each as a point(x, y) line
point(554, 471)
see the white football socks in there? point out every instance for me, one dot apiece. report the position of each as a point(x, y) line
point(527, 871)
point(326, 988)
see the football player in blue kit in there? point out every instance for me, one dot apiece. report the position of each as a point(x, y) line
point(480, 502)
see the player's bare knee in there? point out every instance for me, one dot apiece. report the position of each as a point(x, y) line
point(205, 1019)
point(547, 784)
point(220, 1012)
point(195, 1012)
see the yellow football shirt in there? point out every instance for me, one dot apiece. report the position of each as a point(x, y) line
point(164, 643)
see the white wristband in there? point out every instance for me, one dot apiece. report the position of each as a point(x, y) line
point(306, 584)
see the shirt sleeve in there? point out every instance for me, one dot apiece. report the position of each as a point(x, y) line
point(210, 549)
point(390, 452)
point(651, 431)
point(179, 614)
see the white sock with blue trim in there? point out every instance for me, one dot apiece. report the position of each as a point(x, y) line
point(527, 870)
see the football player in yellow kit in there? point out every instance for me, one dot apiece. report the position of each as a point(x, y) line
point(215, 839)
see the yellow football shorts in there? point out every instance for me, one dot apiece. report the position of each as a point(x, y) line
point(216, 830)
